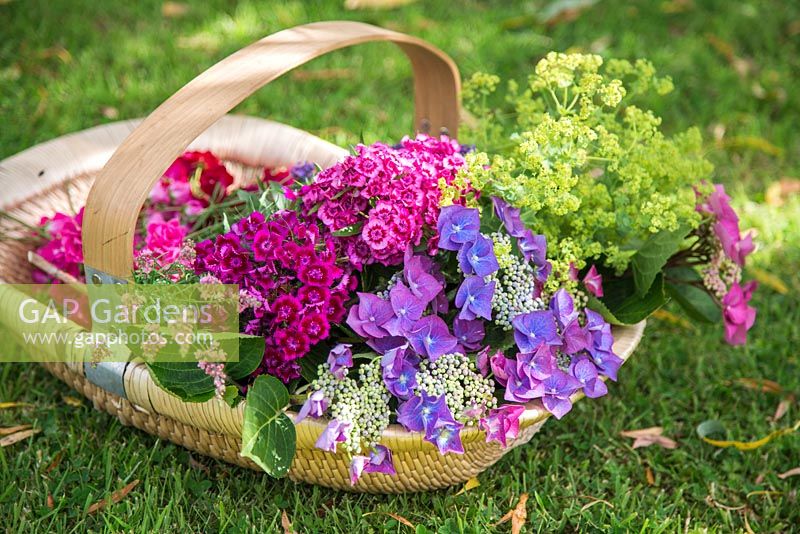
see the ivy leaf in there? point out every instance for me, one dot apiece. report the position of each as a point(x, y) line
point(251, 352)
point(624, 305)
point(697, 303)
point(653, 255)
point(268, 434)
point(183, 379)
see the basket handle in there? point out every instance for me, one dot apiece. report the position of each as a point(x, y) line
point(123, 185)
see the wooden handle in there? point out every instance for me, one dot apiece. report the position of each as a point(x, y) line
point(124, 183)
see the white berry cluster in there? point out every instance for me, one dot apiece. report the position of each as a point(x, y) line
point(514, 290)
point(364, 403)
point(396, 277)
point(468, 394)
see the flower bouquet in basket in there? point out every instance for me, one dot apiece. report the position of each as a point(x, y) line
point(438, 287)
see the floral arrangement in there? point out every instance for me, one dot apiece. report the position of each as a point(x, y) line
point(437, 287)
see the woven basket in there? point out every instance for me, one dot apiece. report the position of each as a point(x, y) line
point(79, 168)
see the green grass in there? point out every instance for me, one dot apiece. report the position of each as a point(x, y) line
point(62, 63)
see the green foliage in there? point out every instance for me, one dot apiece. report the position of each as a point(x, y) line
point(268, 434)
point(623, 305)
point(589, 168)
point(183, 379)
point(653, 255)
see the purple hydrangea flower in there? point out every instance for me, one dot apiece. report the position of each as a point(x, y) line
point(335, 432)
point(537, 366)
point(430, 337)
point(534, 328)
point(457, 225)
point(474, 297)
point(446, 435)
point(509, 215)
point(563, 307)
point(482, 360)
point(519, 386)
point(340, 359)
point(418, 413)
point(400, 371)
point(315, 406)
point(502, 424)
point(378, 461)
point(533, 247)
point(470, 333)
point(602, 347)
point(586, 373)
point(557, 389)
point(478, 257)
point(369, 315)
point(422, 284)
point(407, 309)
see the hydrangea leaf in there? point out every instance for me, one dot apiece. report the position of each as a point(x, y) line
point(268, 434)
point(183, 379)
point(348, 231)
point(626, 306)
point(653, 255)
point(251, 352)
point(697, 303)
point(597, 305)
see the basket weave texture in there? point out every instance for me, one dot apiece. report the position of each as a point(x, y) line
point(58, 175)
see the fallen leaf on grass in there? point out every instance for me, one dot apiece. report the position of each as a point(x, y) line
point(790, 473)
point(517, 515)
point(670, 317)
point(72, 401)
point(560, 11)
point(779, 191)
point(376, 4)
point(649, 436)
point(469, 485)
point(115, 497)
point(715, 426)
point(783, 407)
point(763, 493)
point(51, 503)
point(53, 464)
point(285, 523)
point(742, 66)
point(752, 142)
point(174, 10)
point(768, 279)
point(651, 479)
point(760, 384)
point(109, 112)
point(676, 6)
point(19, 436)
point(396, 517)
point(6, 430)
point(5, 405)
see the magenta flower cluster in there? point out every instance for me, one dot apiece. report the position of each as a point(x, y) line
point(290, 268)
point(63, 247)
point(383, 199)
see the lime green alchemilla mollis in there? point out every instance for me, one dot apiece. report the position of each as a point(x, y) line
point(589, 168)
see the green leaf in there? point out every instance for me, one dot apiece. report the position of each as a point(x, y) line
point(309, 364)
point(183, 379)
point(347, 231)
point(624, 304)
point(597, 305)
point(697, 303)
point(268, 435)
point(231, 396)
point(709, 428)
point(251, 352)
point(653, 255)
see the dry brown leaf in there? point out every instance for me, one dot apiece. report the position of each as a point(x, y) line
point(651, 479)
point(670, 317)
point(285, 523)
point(469, 485)
point(742, 66)
point(19, 436)
point(789, 473)
point(779, 191)
point(752, 142)
point(376, 4)
point(760, 384)
point(559, 11)
point(793, 28)
point(115, 497)
point(770, 280)
point(51, 503)
point(518, 515)
point(783, 407)
point(55, 463)
point(5, 405)
point(72, 401)
point(676, 6)
point(6, 430)
point(396, 517)
point(173, 10)
point(649, 436)
point(109, 112)
point(759, 479)
point(322, 74)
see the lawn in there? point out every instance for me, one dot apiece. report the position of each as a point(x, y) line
point(69, 65)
